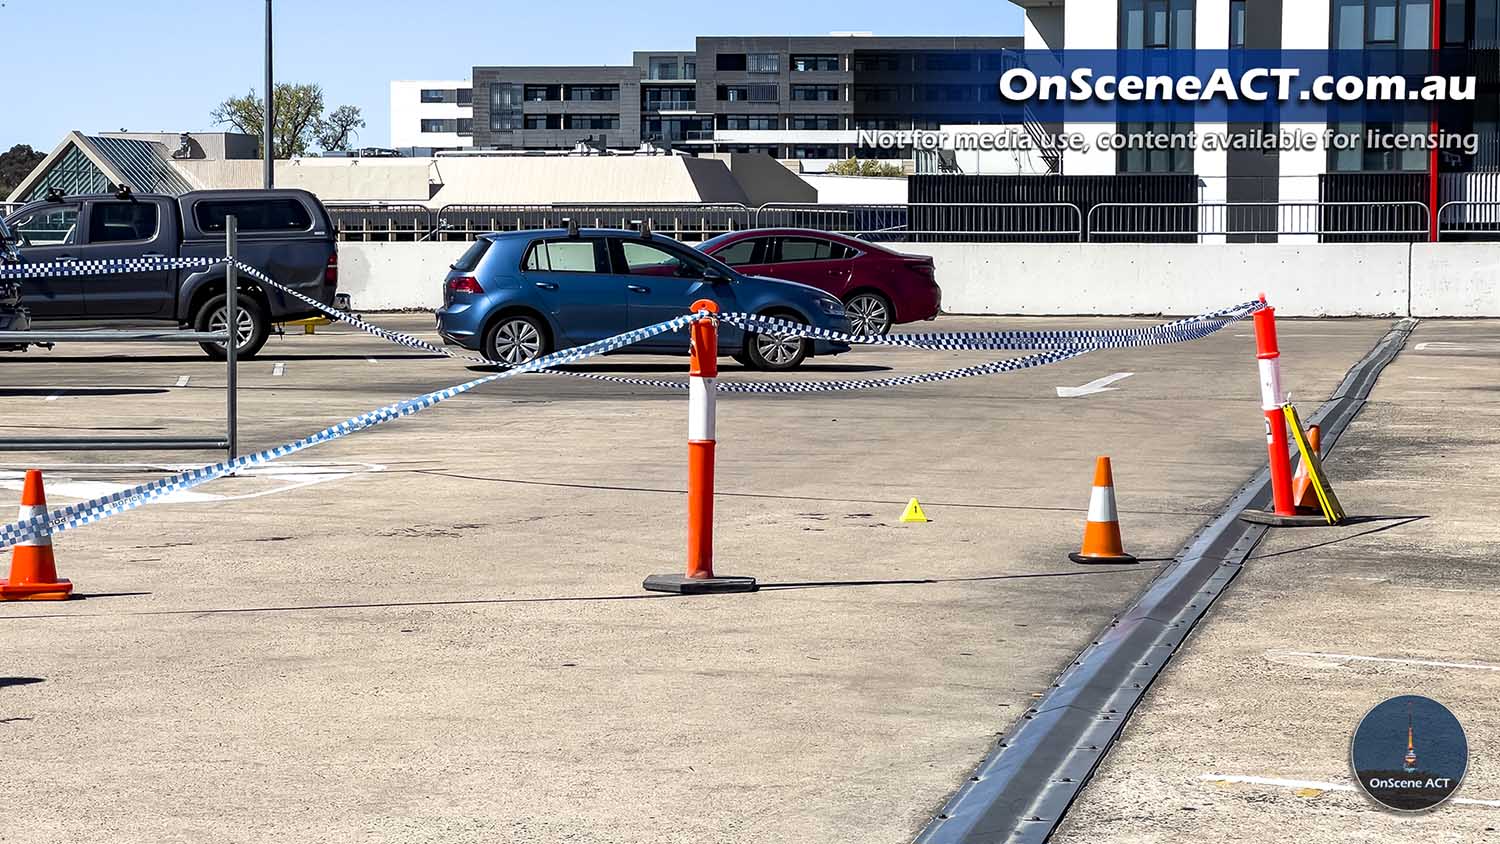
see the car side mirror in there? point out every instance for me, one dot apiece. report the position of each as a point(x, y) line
point(714, 275)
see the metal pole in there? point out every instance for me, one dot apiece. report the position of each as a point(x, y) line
point(270, 111)
point(232, 324)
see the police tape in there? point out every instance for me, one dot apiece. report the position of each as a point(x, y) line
point(77, 515)
point(1072, 341)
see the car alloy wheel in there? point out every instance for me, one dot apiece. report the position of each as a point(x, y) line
point(244, 323)
point(778, 351)
point(868, 314)
point(517, 340)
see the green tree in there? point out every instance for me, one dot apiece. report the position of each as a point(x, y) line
point(15, 165)
point(300, 122)
point(854, 167)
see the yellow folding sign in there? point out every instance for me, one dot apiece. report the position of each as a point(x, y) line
point(1333, 511)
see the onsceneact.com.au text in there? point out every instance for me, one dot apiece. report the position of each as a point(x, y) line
point(1254, 85)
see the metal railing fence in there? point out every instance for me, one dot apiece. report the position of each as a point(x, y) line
point(1038, 222)
point(1189, 222)
point(932, 221)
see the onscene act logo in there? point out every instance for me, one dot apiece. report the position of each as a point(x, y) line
point(1409, 753)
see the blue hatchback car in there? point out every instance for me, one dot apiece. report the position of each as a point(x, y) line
point(515, 296)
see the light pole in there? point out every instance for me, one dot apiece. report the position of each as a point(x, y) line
point(270, 110)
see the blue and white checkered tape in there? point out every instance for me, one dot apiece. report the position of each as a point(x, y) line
point(78, 515)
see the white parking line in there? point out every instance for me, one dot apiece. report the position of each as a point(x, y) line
point(54, 396)
point(1430, 663)
point(371, 360)
point(1317, 785)
point(182, 380)
point(278, 369)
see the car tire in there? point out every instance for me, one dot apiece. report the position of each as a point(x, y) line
point(515, 339)
point(254, 325)
point(870, 313)
point(769, 353)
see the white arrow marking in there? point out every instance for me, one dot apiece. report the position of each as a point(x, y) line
point(1098, 385)
point(182, 380)
point(278, 369)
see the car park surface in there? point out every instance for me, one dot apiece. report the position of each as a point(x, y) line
point(446, 639)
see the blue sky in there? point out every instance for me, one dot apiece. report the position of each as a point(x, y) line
point(153, 65)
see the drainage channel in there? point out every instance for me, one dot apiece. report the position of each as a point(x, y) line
point(1021, 791)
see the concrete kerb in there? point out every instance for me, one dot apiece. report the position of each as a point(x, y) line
point(1032, 776)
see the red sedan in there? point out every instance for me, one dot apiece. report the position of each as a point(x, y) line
point(879, 287)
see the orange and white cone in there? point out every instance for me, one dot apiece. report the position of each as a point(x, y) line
point(1101, 536)
point(1303, 494)
point(33, 571)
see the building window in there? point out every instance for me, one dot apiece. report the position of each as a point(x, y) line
point(466, 126)
point(949, 93)
point(591, 93)
point(1137, 161)
point(543, 121)
point(881, 124)
point(1406, 24)
point(434, 95)
point(592, 121)
point(433, 126)
point(1236, 24)
point(868, 62)
point(821, 123)
point(505, 107)
point(1156, 24)
point(750, 122)
point(949, 61)
point(662, 67)
point(815, 93)
point(465, 96)
point(813, 152)
point(730, 61)
point(876, 93)
point(543, 93)
point(671, 99)
point(747, 93)
point(689, 68)
point(815, 64)
point(763, 63)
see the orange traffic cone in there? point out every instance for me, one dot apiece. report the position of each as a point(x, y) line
point(1101, 536)
point(33, 571)
point(1303, 494)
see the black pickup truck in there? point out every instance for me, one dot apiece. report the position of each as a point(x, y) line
point(286, 234)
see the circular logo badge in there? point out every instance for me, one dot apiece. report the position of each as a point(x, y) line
point(1409, 753)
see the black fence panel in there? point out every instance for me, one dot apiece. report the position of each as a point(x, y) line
point(1084, 192)
point(1374, 223)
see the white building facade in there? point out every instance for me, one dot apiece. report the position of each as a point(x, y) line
point(430, 115)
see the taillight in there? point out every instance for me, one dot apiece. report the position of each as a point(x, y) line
point(923, 267)
point(331, 272)
point(464, 284)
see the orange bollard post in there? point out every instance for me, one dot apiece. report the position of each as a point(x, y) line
point(703, 372)
point(33, 570)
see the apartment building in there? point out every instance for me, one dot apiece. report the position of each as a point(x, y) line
point(788, 96)
point(1355, 173)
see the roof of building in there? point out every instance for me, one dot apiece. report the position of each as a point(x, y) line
point(84, 164)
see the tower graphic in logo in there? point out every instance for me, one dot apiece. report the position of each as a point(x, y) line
point(1409, 764)
point(1404, 781)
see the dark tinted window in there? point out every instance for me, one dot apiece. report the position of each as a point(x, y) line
point(812, 249)
point(112, 222)
point(254, 215)
point(472, 256)
point(738, 253)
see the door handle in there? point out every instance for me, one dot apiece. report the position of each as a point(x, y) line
point(636, 288)
point(66, 259)
point(152, 255)
point(546, 285)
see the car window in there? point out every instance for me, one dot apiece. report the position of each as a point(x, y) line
point(253, 215)
point(469, 261)
point(114, 222)
point(51, 225)
point(646, 259)
point(739, 253)
point(812, 249)
point(564, 256)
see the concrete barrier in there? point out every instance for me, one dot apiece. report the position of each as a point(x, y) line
point(1130, 278)
point(1455, 280)
point(1379, 279)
